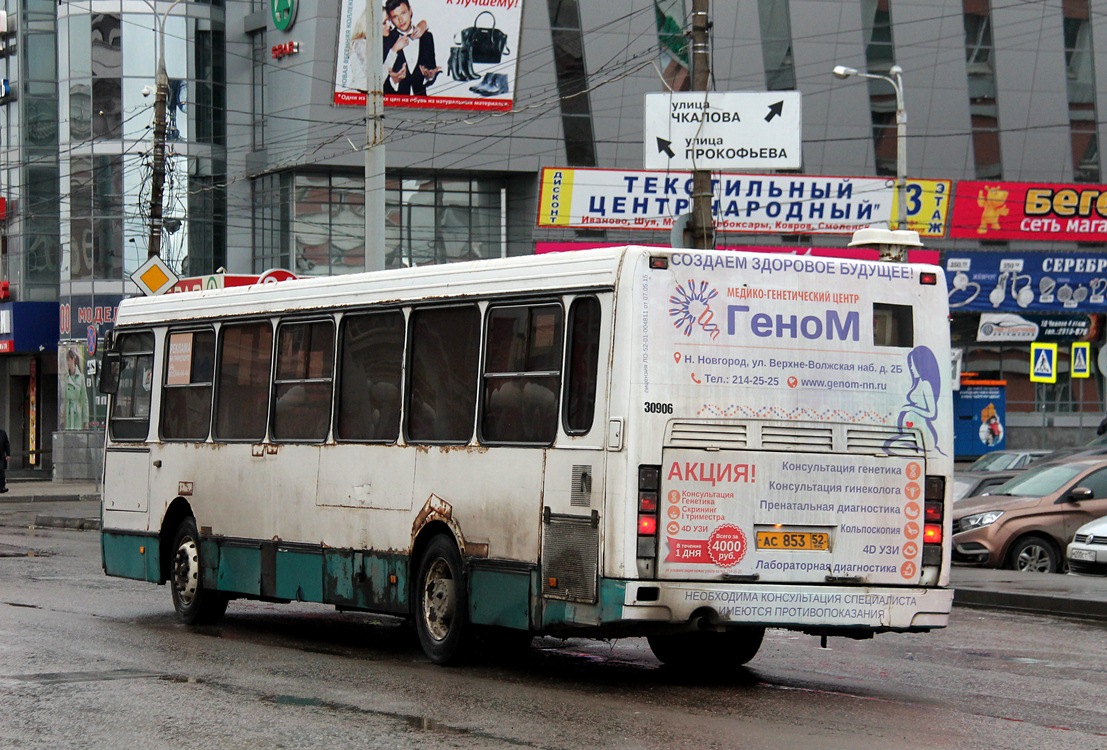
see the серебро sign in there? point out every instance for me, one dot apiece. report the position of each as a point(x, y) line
point(723, 130)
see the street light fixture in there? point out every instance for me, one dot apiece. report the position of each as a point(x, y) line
point(161, 93)
point(895, 78)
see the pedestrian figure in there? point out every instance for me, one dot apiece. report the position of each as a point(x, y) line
point(6, 452)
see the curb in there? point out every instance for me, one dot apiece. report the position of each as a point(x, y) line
point(75, 498)
point(1035, 603)
point(67, 522)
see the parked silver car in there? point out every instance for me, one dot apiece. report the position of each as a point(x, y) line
point(1087, 552)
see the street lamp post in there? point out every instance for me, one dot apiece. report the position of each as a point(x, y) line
point(895, 78)
point(157, 181)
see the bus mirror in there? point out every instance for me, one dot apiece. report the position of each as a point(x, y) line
point(109, 372)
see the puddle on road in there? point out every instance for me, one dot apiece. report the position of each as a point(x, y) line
point(56, 678)
point(8, 550)
point(419, 723)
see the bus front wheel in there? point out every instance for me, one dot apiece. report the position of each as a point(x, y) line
point(708, 650)
point(194, 604)
point(442, 602)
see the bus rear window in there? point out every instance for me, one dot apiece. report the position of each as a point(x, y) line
point(893, 325)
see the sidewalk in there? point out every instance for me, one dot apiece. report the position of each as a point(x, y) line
point(49, 504)
point(76, 505)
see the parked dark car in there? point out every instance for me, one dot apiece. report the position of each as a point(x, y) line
point(1006, 459)
point(1026, 523)
point(1096, 447)
point(973, 483)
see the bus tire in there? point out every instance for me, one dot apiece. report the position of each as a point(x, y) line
point(442, 602)
point(708, 650)
point(194, 604)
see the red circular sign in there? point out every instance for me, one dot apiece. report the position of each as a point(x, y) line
point(273, 275)
point(727, 545)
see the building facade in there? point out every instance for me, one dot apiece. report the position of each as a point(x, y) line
point(266, 162)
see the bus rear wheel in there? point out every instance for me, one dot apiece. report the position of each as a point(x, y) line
point(194, 604)
point(708, 650)
point(442, 602)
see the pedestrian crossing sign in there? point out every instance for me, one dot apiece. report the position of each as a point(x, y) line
point(1081, 365)
point(1043, 363)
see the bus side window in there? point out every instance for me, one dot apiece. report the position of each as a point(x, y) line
point(370, 368)
point(130, 413)
point(442, 378)
point(582, 363)
point(186, 397)
point(305, 373)
point(522, 374)
point(242, 383)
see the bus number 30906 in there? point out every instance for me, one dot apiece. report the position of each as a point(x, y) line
point(653, 407)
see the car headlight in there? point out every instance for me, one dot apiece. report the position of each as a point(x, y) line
point(980, 520)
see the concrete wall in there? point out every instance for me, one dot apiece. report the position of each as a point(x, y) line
point(79, 454)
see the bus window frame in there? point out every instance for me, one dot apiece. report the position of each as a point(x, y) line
point(276, 382)
point(122, 341)
point(485, 375)
point(409, 392)
point(165, 387)
point(339, 373)
point(219, 389)
point(567, 378)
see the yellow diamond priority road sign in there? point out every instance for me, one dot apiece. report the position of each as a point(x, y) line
point(154, 277)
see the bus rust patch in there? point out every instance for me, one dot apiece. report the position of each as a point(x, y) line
point(437, 509)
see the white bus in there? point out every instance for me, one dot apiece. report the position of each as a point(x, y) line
point(690, 446)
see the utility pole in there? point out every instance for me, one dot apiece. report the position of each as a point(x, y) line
point(157, 179)
point(374, 140)
point(701, 227)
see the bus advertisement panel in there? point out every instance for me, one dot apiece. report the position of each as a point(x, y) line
point(825, 403)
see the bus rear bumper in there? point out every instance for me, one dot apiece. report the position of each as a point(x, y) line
point(791, 606)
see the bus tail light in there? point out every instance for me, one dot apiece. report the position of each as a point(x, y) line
point(649, 483)
point(934, 500)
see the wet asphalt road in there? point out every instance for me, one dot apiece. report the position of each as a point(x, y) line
point(89, 661)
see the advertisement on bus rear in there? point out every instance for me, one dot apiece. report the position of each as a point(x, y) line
point(825, 375)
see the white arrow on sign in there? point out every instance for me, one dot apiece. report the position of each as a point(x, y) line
point(723, 130)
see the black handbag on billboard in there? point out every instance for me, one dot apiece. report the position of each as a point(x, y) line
point(486, 44)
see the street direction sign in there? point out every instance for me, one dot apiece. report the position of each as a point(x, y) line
point(723, 130)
